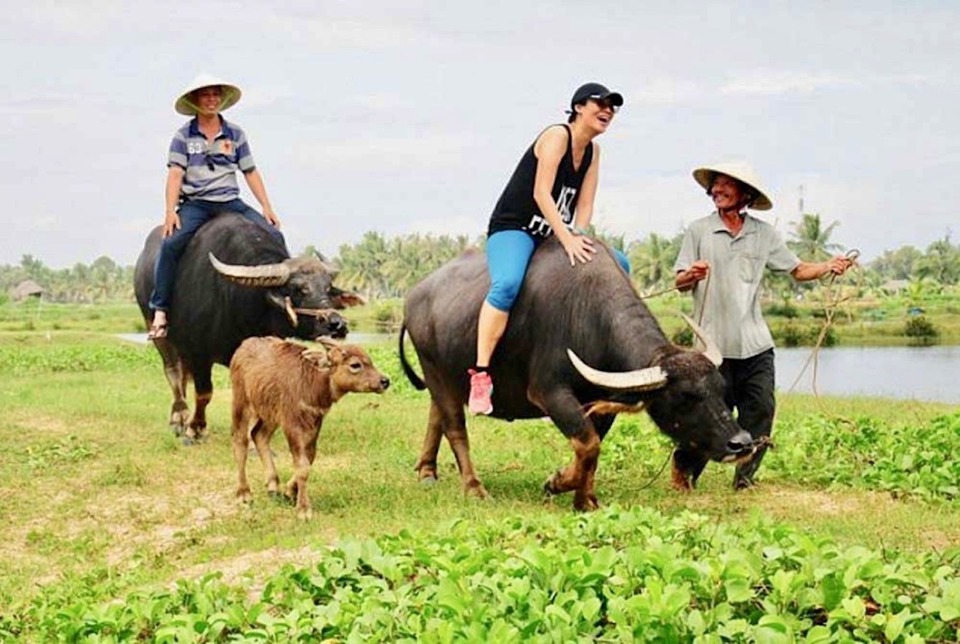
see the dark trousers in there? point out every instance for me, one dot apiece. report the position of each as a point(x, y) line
point(194, 214)
point(750, 394)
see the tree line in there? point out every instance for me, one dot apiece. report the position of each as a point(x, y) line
point(382, 267)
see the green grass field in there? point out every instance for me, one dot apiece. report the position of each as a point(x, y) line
point(114, 530)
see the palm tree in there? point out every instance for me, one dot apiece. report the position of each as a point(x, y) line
point(941, 262)
point(811, 240)
point(652, 260)
point(362, 266)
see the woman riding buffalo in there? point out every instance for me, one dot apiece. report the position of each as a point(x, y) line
point(551, 192)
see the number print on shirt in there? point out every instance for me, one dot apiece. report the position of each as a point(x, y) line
point(563, 203)
point(538, 225)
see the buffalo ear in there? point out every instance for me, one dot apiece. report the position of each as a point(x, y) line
point(343, 299)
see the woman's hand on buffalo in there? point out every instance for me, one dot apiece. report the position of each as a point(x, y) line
point(579, 248)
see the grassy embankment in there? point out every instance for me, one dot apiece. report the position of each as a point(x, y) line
point(101, 501)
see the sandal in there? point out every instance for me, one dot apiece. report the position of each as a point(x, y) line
point(157, 330)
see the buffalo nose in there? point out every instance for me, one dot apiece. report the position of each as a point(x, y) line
point(338, 326)
point(741, 442)
point(384, 382)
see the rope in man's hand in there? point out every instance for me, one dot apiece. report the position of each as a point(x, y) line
point(831, 303)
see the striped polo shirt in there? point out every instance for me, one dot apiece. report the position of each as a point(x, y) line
point(211, 168)
point(729, 300)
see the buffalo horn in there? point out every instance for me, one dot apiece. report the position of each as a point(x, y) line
point(640, 380)
point(263, 275)
point(331, 267)
point(710, 350)
point(329, 343)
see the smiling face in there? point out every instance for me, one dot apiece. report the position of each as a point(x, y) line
point(728, 194)
point(208, 99)
point(596, 114)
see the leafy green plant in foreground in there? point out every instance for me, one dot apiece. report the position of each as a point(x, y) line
point(864, 452)
point(615, 575)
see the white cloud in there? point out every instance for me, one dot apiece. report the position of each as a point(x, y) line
point(666, 91)
point(773, 83)
point(410, 117)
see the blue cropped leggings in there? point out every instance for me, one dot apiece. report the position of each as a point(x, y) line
point(508, 255)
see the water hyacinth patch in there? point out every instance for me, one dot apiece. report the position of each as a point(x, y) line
point(614, 575)
point(916, 461)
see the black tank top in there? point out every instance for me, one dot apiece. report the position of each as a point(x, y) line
point(516, 208)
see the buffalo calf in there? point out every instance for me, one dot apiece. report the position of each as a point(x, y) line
point(282, 384)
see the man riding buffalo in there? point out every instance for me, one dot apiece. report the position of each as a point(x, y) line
point(205, 155)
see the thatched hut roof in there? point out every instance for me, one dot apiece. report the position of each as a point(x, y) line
point(25, 289)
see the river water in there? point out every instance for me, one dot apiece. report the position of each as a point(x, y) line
point(911, 373)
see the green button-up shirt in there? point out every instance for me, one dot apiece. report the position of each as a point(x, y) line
point(727, 303)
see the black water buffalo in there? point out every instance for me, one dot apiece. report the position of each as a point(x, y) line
point(565, 319)
point(233, 281)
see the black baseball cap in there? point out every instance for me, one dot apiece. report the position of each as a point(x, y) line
point(595, 91)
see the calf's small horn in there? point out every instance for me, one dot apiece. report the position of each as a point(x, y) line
point(261, 275)
point(291, 314)
point(710, 350)
point(640, 380)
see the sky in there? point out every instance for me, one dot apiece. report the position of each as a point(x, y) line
point(409, 117)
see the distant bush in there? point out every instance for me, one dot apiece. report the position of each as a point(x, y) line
point(921, 331)
point(793, 334)
point(784, 310)
point(389, 314)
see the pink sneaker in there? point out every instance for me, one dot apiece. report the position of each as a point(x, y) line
point(481, 388)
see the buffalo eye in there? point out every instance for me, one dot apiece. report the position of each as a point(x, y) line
point(355, 366)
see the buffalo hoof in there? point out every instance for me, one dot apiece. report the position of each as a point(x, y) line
point(585, 502)
point(477, 490)
point(550, 486)
point(245, 496)
point(428, 481)
point(304, 514)
point(278, 497)
point(681, 481)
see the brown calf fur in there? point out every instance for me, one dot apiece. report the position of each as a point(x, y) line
point(282, 384)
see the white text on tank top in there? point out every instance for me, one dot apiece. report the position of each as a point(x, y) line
point(538, 223)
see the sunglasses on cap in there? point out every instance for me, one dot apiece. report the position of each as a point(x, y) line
point(605, 103)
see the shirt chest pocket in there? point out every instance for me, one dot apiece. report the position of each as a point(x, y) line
point(749, 267)
point(748, 261)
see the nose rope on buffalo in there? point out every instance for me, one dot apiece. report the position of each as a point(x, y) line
point(831, 303)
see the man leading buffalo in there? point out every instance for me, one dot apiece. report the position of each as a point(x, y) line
point(551, 192)
point(732, 248)
point(203, 160)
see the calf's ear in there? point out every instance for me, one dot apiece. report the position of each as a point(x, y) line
point(333, 348)
point(318, 357)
